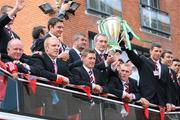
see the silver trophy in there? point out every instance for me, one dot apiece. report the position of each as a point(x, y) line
point(117, 30)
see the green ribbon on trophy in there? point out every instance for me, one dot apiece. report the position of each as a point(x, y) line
point(113, 27)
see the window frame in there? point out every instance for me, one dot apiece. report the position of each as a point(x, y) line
point(101, 13)
point(151, 29)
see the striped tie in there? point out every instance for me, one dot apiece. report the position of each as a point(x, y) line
point(91, 76)
point(126, 86)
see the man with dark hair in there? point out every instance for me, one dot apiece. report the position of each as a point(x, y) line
point(80, 43)
point(167, 59)
point(7, 16)
point(154, 81)
point(38, 32)
point(55, 28)
point(176, 65)
point(87, 74)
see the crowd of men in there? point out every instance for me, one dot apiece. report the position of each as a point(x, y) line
point(102, 69)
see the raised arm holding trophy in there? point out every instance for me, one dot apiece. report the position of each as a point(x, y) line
point(114, 27)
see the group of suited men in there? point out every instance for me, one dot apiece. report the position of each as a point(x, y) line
point(101, 69)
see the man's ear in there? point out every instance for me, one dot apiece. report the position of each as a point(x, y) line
point(82, 58)
point(7, 49)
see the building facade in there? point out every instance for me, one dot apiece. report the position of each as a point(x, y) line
point(156, 20)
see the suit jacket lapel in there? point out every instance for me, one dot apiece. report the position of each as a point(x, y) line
point(162, 69)
point(130, 86)
point(96, 76)
point(77, 57)
point(60, 66)
point(85, 74)
point(98, 58)
point(49, 63)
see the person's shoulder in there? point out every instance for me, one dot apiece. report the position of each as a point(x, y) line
point(71, 51)
point(133, 81)
point(96, 70)
point(79, 68)
point(6, 58)
point(115, 78)
point(165, 67)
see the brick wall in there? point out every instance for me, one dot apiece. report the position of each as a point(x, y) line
point(82, 22)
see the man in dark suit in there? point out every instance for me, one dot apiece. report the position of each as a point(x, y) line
point(176, 65)
point(8, 15)
point(15, 55)
point(100, 41)
point(103, 60)
point(50, 65)
point(87, 74)
point(37, 33)
point(80, 43)
point(167, 59)
point(154, 81)
point(125, 87)
point(55, 28)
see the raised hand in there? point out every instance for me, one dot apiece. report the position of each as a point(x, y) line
point(19, 5)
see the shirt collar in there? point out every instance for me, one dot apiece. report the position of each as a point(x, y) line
point(52, 35)
point(53, 60)
point(87, 69)
point(99, 52)
point(77, 51)
point(123, 82)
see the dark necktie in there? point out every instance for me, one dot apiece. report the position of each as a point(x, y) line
point(126, 86)
point(102, 57)
point(91, 76)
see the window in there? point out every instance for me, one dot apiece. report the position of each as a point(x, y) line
point(141, 50)
point(153, 19)
point(104, 8)
point(91, 39)
point(152, 3)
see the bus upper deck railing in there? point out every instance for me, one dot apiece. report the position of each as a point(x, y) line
point(53, 102)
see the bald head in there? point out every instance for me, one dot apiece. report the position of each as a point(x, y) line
point(15, 49)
